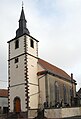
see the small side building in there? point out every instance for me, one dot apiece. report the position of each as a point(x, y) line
point(78, 97)
point(3, 101)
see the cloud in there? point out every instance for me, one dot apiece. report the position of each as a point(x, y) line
point(55, 23)
point(60, 35)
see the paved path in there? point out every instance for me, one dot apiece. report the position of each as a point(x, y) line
point(78, 117)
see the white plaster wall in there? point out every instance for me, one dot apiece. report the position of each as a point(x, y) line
point(32, 73)
point(20, 92)
point(17, 74)
point(32, 78)
point(17, 87)
point(15, 52)
point(32, 69)
point(30, 50)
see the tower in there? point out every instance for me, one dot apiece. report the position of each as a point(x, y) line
point(22, 69)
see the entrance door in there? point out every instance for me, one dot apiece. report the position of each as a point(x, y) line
point(17, 104)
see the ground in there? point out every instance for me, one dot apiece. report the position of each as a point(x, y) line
point(77, 117)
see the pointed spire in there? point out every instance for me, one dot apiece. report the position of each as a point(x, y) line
point(22, 13)
point(22, 24)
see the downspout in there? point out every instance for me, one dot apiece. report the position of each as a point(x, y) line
point(72, 96)
point(39, 89)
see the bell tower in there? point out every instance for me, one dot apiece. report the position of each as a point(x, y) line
point(22, 69)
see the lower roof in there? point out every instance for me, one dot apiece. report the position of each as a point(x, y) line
point(3, 93)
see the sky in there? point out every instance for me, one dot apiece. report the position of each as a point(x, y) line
point(57, 26)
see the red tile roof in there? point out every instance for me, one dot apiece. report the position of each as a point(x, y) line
point(3, 93)
point(53, 69)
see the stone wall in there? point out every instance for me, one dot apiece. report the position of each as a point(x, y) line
point(63, 112)
point(32, 113)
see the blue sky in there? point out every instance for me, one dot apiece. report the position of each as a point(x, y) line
point(57, 26)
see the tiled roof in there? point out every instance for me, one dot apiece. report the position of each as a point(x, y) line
point(3, 93)
point(53, 69)
point(79, 91)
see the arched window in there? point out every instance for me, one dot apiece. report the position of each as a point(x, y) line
point(56, 92)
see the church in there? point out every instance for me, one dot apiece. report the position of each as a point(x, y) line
point(33, 83)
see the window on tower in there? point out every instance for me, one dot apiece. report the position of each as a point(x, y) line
point(16, 60)
point(16, 44)
point(31, 43)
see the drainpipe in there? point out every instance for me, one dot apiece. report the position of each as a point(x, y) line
point(39, 87)
point(72, 96)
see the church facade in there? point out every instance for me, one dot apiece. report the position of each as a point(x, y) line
point(33, 82)
point(56, 86)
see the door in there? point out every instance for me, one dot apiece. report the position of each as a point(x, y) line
point(17, 104)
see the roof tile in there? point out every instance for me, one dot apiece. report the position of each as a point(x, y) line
point(3, 93)
point(53, 69)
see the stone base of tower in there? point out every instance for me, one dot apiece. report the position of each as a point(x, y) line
point(31, 114)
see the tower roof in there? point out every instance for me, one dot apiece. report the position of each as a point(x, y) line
point(22, 25)
point(22, 16)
